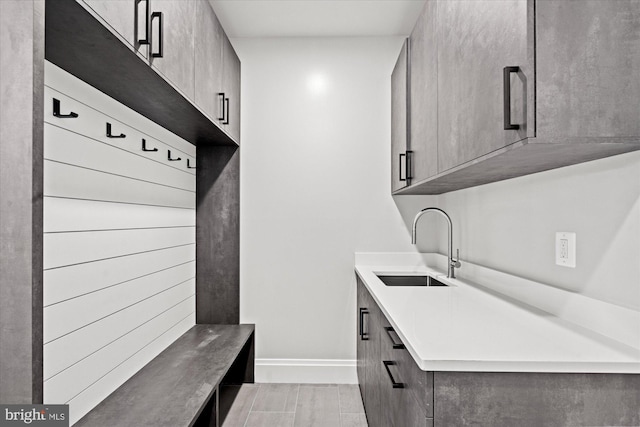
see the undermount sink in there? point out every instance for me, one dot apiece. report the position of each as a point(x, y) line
point(412, 280)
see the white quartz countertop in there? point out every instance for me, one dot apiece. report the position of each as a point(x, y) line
point(465, 327)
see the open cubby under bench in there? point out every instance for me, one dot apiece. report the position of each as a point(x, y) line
point(181, 386)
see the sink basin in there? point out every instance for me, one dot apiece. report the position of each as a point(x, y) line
point(424, 280)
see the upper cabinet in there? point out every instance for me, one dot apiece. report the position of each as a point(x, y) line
point(217, 72)
point(400, 153)
point(171, 50)
point(522, 86)
point(476, 41)
point(423, 95)
point(588, 70)
point(184, 43)
point(209, 43)
point(231, 89)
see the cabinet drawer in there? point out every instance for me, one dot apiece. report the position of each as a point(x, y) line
point(416, 381)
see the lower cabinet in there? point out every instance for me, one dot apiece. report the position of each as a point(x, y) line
point(397, 393)
point(391, 384)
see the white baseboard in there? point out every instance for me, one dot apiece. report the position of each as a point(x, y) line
point(306, 371)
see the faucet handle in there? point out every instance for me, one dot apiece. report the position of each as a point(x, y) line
point(456, 262)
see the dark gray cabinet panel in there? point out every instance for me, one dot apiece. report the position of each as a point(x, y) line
point(588, 62)
point(373, 366)
point(418, 382)
point(476, 40)
point(361, 340)
point(177, 61)
point(399, 123)
point(217, 235)
point(423, 93)
point(231, 88)
point(399, 406)
point(528, 399)
point(208, 61)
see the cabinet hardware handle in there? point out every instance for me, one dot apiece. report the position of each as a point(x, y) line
point(396, 345)
point(144, 146)
point(222, 110)
point(145, 39)
point(407, 166)
point(506, 87)
point(169, 157)
point(56, 111)
point(157, 54)
point(363, 335)
point(226, 105)
point(110, 135)
point(189, 166)
point(386, 364)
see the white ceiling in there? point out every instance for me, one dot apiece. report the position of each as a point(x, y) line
point(317, 18)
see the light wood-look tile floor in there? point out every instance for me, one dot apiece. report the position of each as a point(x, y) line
point(292, 405)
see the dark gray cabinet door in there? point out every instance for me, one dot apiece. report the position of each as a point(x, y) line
point(476, 40)
point(209, 37)
point(400, 406)
point(119, 15)
point(423, 94)
point(231, 88)
point(373, 365)
point(178, 27)
point(361, 338)
point(587, 65)
point(399, 122)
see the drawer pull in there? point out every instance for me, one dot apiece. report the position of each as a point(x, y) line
point(144, 146)
point(110, 135)
point(396, 345)
point(386, 364)
point(363, 335)
point(56, 111)
point(189, 165)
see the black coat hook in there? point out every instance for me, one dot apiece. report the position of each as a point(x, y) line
point(109, 135)
point(189, 166)
point(56, 111)
point(169, 157)
point(144, 146)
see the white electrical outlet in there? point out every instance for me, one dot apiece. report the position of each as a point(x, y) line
point(566, 249)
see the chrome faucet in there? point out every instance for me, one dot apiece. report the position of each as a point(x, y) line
point(451, 263)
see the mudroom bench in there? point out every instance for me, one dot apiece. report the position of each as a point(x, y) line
point(182, 385)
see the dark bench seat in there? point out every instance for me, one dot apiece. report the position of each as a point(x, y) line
point(180, 387)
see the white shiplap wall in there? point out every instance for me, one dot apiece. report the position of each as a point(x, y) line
point(119, 243)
